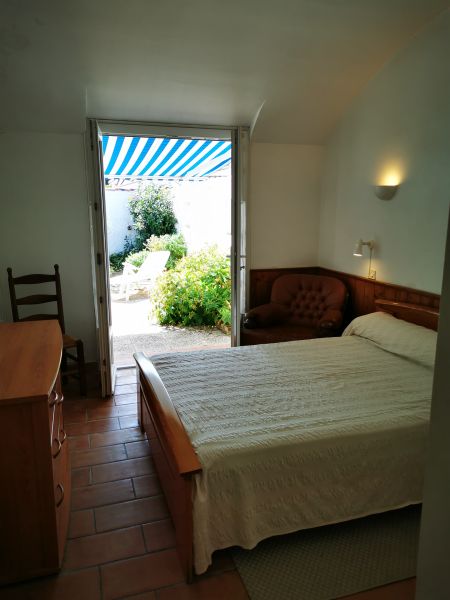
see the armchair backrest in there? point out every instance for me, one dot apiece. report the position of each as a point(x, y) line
point(308, 297)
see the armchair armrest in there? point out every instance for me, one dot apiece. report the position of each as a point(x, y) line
point(331, 321)
point(265, 315)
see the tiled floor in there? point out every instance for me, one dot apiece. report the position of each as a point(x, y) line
point(121, 540)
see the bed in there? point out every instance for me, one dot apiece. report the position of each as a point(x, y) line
point(258, 441)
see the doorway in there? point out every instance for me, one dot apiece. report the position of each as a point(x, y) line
point(169, 221)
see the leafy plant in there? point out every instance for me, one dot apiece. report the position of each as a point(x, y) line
point(175, 243)
point(197, 291)
point(116, 259)
point(137, 258)
point(152, 212)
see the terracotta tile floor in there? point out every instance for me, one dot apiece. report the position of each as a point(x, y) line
point(121, 540)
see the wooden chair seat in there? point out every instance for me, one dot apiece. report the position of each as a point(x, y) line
point(69, 342)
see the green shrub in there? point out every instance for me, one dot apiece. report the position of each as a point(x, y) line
point(175, 243)
point(197, 291)
point(137, 258)
point(152, 212)
point(116, 260)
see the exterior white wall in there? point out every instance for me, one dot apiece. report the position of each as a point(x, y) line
point(283, 213)
point(45, 220)
point(399, 126)
point(202, 208)
point(118, 219)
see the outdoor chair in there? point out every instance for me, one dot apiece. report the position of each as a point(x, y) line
point(145, 275)
point(69, 343)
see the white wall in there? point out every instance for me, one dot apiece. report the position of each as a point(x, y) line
point(45, 220)
point(283, 213)
point(433, 576)
point(400, 123)
point(118, 218)
point(202, 209)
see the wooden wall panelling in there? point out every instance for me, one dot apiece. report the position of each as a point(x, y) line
point(362, 292)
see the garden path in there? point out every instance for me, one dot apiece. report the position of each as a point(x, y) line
point(134, 330)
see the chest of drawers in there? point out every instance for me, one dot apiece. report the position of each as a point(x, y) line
point(34, 458)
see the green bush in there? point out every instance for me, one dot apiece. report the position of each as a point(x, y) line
point(152, 212)
point(137, 258)
point(116, 260)
point(175, 243)
point(197, 291)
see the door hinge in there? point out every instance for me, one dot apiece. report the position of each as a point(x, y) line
point(95, 206)
point(100, 299)
point(104, 362)
point(91, 135)
point(99, 258)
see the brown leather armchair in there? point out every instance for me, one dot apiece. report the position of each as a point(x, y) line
point(301, 307)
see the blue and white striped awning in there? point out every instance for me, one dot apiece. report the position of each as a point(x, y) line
point(164, 158)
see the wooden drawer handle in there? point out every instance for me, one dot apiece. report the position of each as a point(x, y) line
point(54, 398)
point(64, 436)
point(58, 441)
point(60, 501)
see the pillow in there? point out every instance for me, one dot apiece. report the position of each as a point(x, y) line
point(397, 336)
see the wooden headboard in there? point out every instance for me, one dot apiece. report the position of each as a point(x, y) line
point(363, 295)
point(413, 313)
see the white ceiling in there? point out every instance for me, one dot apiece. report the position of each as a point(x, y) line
point(197, 61)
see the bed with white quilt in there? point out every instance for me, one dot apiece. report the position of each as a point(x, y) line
point(264, 440)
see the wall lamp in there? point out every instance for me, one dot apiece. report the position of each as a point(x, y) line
point(385, 192)
point(358, 251)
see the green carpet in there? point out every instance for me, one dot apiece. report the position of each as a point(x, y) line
point(333, 561)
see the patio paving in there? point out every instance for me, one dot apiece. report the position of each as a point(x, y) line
point(135, 330)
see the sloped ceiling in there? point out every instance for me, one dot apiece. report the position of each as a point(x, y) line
point(197, 61)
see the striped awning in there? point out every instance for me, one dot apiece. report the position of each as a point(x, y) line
point(164, 158)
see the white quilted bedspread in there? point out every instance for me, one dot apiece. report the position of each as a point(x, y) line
point(297, 435)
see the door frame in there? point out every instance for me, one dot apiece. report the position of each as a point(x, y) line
point(100, 256)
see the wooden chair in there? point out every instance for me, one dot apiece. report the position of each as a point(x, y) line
point(69, 343)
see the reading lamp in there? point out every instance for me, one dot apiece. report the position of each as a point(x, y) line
point(358, 251)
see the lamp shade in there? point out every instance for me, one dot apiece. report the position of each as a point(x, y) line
point(358, 248)
point(385, 192)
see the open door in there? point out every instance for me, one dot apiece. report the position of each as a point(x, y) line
point(239, 262)
point(100, 262)
point(239, 136)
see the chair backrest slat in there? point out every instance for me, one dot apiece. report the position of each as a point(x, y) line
point(41, 317)
point(32, 279)
point(36, 299)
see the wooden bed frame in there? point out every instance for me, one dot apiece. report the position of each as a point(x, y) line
point(175, 459)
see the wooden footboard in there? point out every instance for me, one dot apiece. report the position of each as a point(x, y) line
point(175, 459)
